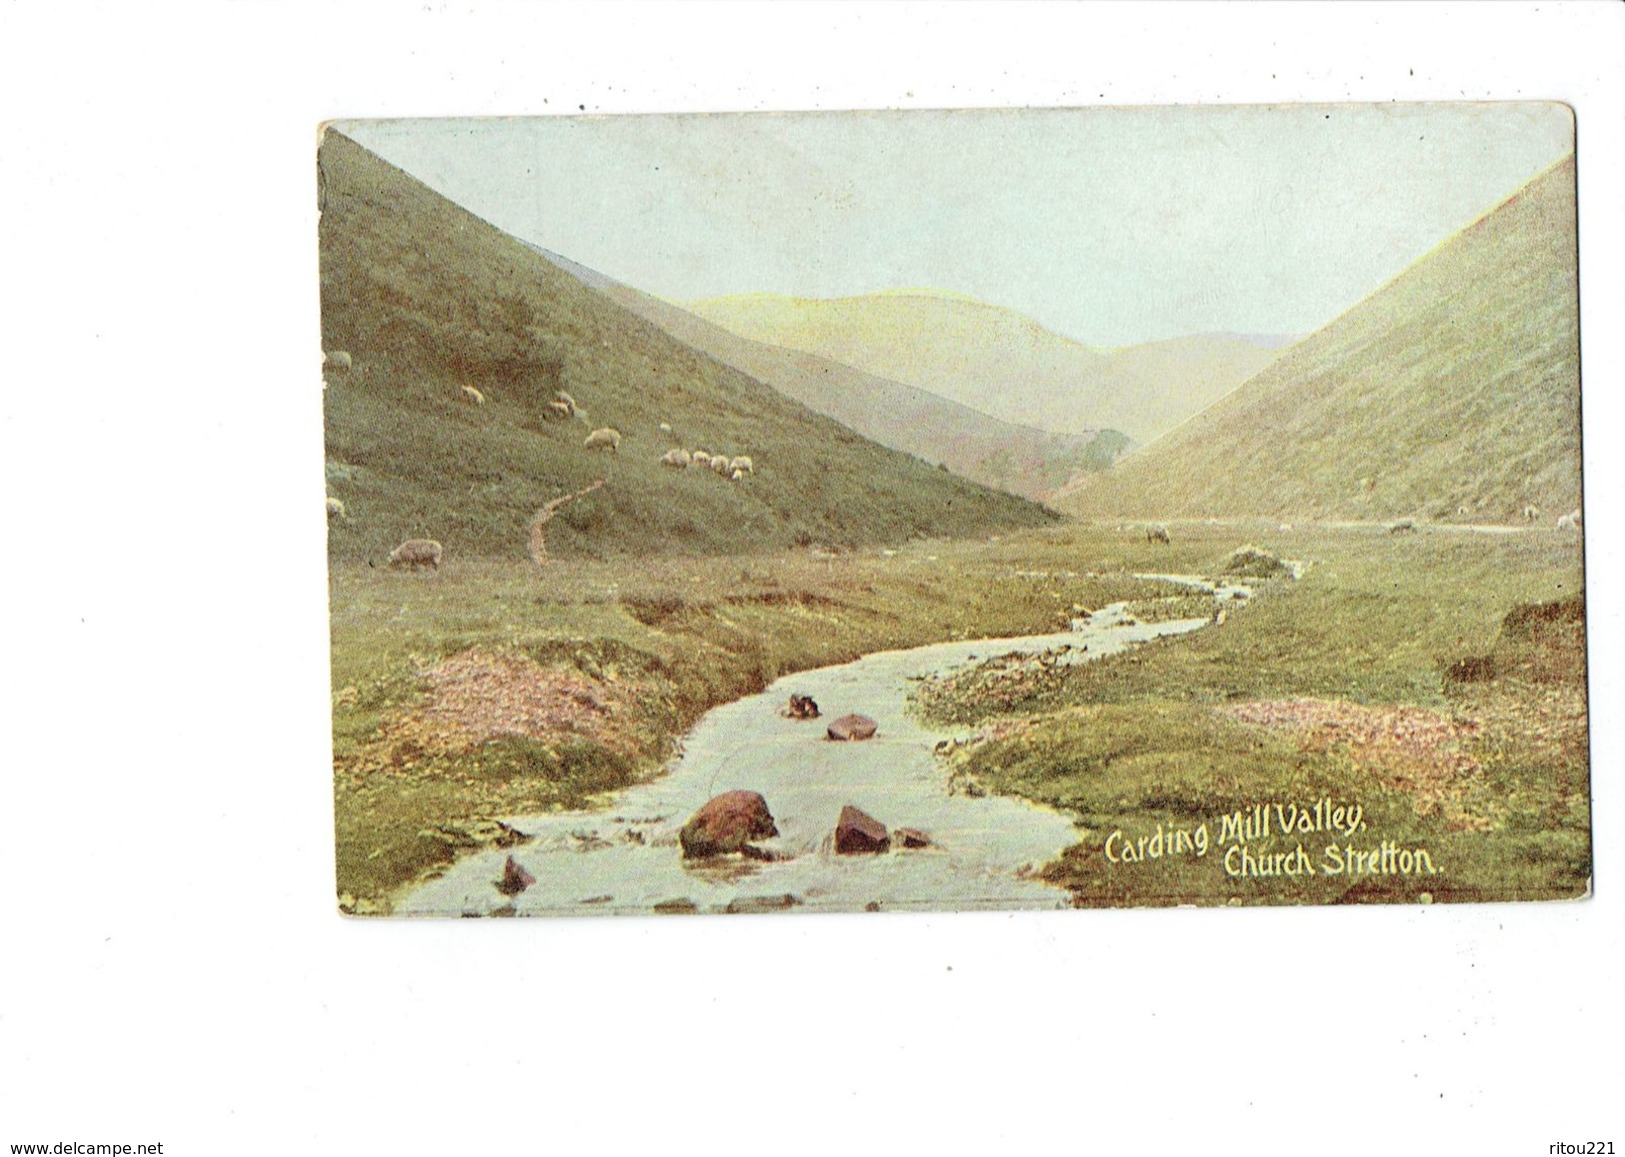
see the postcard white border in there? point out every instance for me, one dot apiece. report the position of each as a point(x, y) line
point(177, 971)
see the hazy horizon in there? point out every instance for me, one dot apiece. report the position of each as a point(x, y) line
point(1111, 226)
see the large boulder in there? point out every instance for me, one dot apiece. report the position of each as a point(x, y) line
point(727, 824)
point(858, 833)
point(852, 727)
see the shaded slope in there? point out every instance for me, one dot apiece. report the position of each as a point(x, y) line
point(1019, 459)
point(1456, 385)
point(427, 298)
point(998, 361)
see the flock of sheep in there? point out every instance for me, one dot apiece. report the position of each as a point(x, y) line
point(419, 552)
point(719, 464)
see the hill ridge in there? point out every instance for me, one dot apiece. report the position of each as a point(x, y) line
point(1016, 458)
point(997, 360)
point(1451, 392)
point(428, 298)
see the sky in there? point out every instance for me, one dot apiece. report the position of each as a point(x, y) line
point(1111, 226)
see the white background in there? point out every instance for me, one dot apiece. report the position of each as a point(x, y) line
point(171, 965)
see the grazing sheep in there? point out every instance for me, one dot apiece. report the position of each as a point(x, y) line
point(677, 459)
point(1569, 521)
point(1530, 513)
point(604, 439)
point(474, 395)
point(558, 412)
point(336, 360)
point(736, 475)
point(742, 464)
point(701, 458)
point(720, 465)
point(417, 552)
point(335, 508)
point(665, 427)
point(1157, 534)
point(1403, 526)
point(566, 401)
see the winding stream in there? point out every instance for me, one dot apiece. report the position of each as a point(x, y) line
point(625, 858)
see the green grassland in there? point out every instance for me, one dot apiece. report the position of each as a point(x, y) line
point(1125, 742)
point(675, 636)
point(1483, 632)
point(428, 298)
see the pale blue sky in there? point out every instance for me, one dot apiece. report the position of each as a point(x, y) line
point(1112, 226)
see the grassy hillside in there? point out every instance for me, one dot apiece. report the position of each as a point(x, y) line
point(1456, 385)
point(998, 361)
point(1020, 459)
point(428, 298)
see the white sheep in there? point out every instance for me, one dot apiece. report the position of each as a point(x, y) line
point(474, 395)
point(1157, 533)
point(335, 508)
point(1530, 513)
point(558, 411)
point(736, 475)
point(665, 427)
point(1403, 526)
point(720, 465)
point(604, 439)
point(1569, 521)
point(701, 458)
point(677, 459)
point(743, 464)
point(416, 552)
point(336, 360)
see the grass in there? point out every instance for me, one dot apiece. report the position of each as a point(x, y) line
point(671, 637)
point(428, 298)
point(1124, 743)
point(1374, 628)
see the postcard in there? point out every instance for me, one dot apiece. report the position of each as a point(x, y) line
point(883, 511)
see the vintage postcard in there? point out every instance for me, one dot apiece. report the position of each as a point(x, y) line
point(948, 510)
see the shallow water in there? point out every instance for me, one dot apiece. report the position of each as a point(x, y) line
point(625, 857)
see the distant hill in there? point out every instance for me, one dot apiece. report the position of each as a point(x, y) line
point(1001, 362)
point(1019, 459)
point(428, 298)
point(1455, 385)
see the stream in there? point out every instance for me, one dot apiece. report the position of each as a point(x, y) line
point(624, 856)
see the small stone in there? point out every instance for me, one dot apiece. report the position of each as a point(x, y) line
point(751, 904)
point(849, 727)
point(515, 879)
point(911, 838)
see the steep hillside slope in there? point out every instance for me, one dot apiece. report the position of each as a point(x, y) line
point(427, 298)
point(1020, 459)
point(998, 361)
point(1454, 386)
